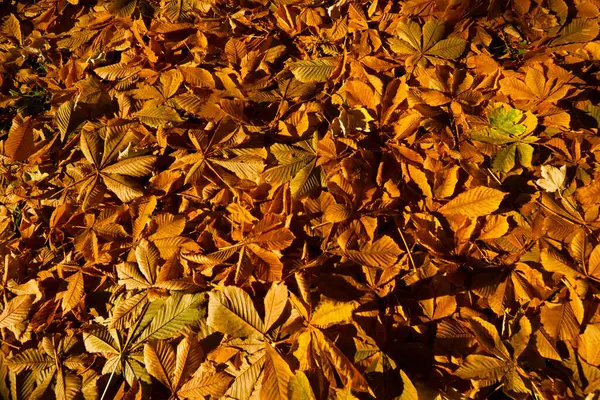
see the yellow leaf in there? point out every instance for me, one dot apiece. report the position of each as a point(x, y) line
point(275, 301)
point(16, 310)
point(159, 359)
point(317, 70)
point(495, 226)
point(474, 202)
point(337, 213)
point(157, 116)
point(74, 292)
point(330, 312)
point(383, 253)
point(299, 388)
point(420, 179)
point(230, 310)
point(20, 142)
point(206, 385)
point(276, 376)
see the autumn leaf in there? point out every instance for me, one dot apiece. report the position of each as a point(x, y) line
point(426, 44)
point(299, 200)
point(20, 143)
point(317, 70)
point(474, 203)
point(509, 127)
point(553, 178)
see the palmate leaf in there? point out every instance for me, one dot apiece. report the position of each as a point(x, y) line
point(474, 202)
point(292, 160)
point(553, 178)
point(116, 177)
point(449, 49)
point(298, 165)
point(248, 380)
point(331, 354)
point(306, 180)
point(509, 126)
point(231, 311)
point(89, 142)
point(171, 367)
point(426, 44)
point(244, 167)
point(127, 311)
point(67, 385)
point(100, 340)
point(189, 358)
point(178, 10)
point(126, 189)
point(317, 70)
point(563, 320)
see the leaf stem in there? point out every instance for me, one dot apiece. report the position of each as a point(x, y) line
point(410, 257)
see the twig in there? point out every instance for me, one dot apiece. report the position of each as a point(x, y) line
point(410, 257)
point(110, 378)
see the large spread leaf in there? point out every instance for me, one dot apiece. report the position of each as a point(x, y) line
point(427, 43)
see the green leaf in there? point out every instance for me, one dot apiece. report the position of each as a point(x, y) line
point(508, 125)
